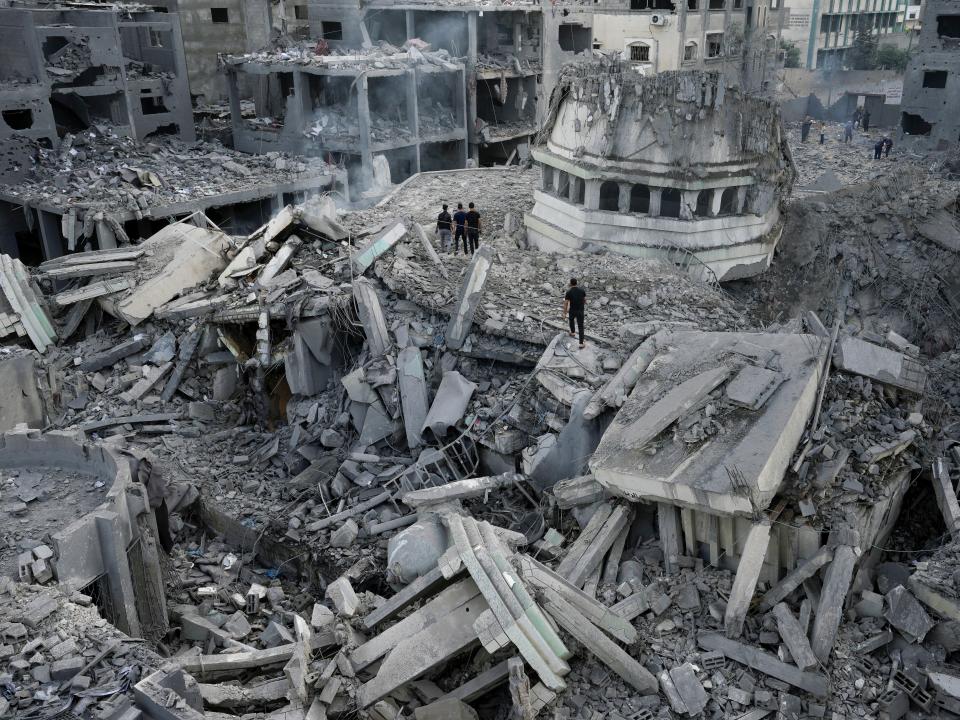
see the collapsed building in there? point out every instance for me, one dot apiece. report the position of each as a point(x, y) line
point(929, 109)
point(677, 166)
point(69, 68)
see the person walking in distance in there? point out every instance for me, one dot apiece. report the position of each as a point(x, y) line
point(877, 149)
point(848, 131)
point(887, 144)
point(822, 127)
point(444, 223)
point(473, 228)
point(460, 230)
point(865, 120)
point(574, 303)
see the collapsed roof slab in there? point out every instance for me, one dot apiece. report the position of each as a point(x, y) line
point(737, 463)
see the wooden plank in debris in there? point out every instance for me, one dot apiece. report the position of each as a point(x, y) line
point(93, 290)
point(814, 683)
point(75, 271)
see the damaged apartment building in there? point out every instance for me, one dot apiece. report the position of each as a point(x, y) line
point(677, 166)
point(425, 87)
point(65, 69)
point(930, 115)
point(97, 136)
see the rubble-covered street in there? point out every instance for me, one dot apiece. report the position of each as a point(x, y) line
point(276, 446)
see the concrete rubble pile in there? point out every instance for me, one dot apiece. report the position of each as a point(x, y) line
point(380, 55)
point(418, 497)
point(97, 172)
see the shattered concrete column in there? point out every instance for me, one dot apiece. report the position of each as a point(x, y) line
point(471, 67)
point(741, 198)
point(413, 393)
point(300, 106)
point(655, 196)
point(117, 572)
point(371, 315)
point(363, 117)
point(836, 584)
point(470, 293)
point(574, 186)
point(462, 112)
point(623, 203)
point(748, 573)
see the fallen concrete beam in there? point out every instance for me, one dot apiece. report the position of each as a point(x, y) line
point(428, 247)
point(587, 535)
point(607, 619)
point(233, 664)
point(836, 584)
point(942, 604)
point(602, 647)
point(371, 315)
point(481, 684)
point(745, 582)
point(279, 262)
point(582, 490)
point(116, 353)
point(471, 292)
point(143, 386)
point(93, 290)
point(240, 697)
point(419, 588)
point(794, 579)
point(946, 496)
point(594, 553)
point(413, 393)
point(615, 391)
point(814, 683)
point(65, 272)
point(794, 637)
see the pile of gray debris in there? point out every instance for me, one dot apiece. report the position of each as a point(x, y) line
point(403, 509)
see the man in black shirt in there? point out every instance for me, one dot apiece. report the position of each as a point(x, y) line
point(574, 303)
point(460, 230)
point(444, 222)
point(473, 228)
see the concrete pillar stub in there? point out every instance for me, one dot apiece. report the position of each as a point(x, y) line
point(117, 571)
point(591, 196)
point(655, 194)
point(715, 201)
point(741, 198)
point(624, 199)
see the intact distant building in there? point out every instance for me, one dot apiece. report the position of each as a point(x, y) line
point(824, 30)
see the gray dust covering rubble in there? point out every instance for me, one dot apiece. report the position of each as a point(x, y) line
point(285, 456)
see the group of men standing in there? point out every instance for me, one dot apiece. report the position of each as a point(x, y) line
point(461, 226)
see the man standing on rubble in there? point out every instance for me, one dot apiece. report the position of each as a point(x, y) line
point(460, 224)
point(878, 148)
point(805, 128)
point(443, 228)
point(574, 303)
point(848, 131)
point(473, 228)
point(887, 144)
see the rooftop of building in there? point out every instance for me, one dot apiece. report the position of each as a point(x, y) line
point(315, 56)
point(97, 170)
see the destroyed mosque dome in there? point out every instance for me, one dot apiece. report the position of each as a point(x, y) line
point(673, 123)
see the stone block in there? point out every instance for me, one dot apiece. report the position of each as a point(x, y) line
point(340, 592)
point(66, 668)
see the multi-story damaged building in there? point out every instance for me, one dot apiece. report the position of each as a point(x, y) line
point(68, 68)
point(406, 107)
point(931, 87)
point(677, 166)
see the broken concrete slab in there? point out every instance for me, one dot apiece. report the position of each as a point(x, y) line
point(471, 291)
point(759, 444)
point(794, 579)
point(184, 255)
point(374, 247)
point(449, 404)
point(753, 386)
point(857, 356)
point(116, 353)
point(907, 615)
point(413, 393)
point(946, 495)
